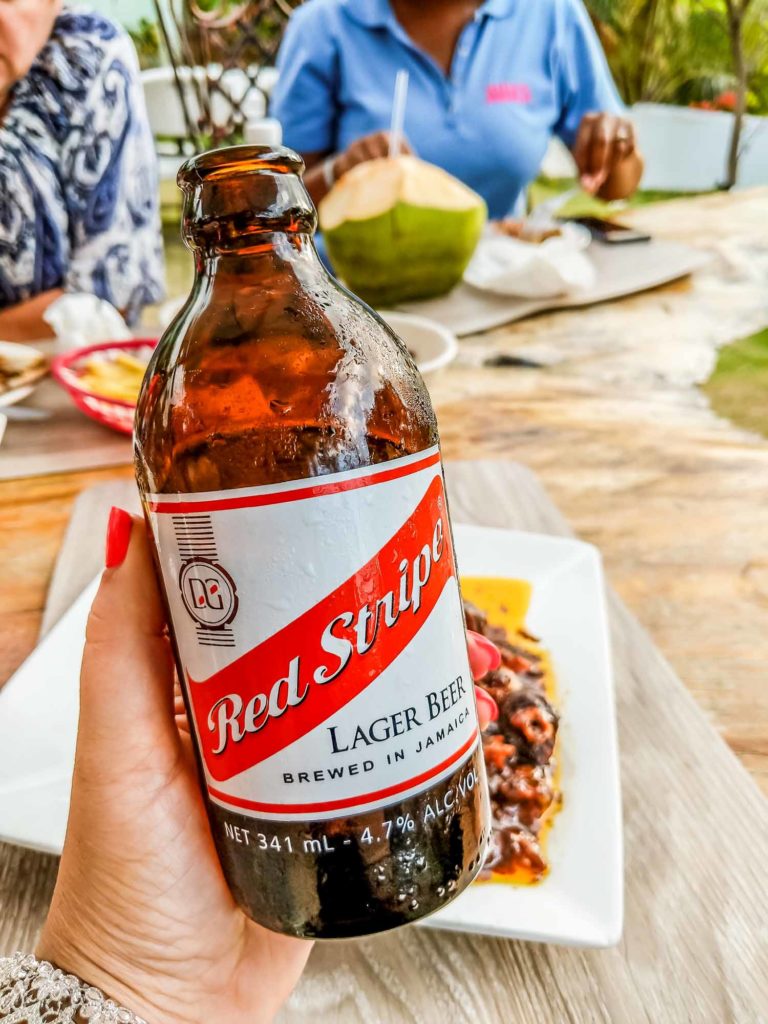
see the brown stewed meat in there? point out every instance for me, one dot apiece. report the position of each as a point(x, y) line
point(519, 748)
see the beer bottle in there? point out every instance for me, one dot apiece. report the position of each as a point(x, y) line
point(287, 456)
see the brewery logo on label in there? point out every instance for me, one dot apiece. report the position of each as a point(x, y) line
point(208, 592)
point(207, 589)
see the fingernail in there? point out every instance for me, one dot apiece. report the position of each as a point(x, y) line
point(118, 537)
point(487, 708)
point(488, 650)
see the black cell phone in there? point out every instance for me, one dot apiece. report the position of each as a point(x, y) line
point(610, 232)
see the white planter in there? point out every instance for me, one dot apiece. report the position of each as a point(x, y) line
point(166, 116)
point(686, 150)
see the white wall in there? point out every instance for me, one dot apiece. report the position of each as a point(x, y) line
point(686, 150)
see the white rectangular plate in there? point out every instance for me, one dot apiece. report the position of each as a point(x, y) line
point(580, 900)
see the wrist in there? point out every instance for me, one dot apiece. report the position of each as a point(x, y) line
point(44, 992)
point(135, 991)
point(329, 170)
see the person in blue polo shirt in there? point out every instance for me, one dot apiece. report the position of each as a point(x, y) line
point(490, 83)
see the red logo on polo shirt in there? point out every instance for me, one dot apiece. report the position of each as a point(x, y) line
point(508, 92)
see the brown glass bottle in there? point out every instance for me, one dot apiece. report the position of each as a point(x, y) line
point(273, 373)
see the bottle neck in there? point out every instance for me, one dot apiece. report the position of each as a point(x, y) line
point(237, 202)
point(275, 256)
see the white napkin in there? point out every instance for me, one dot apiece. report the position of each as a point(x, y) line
point(79, 319)
point(508, 266)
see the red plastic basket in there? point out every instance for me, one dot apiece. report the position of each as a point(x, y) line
point(111, 412)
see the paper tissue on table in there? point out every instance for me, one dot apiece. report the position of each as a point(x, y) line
point(79, 319)
point(509, 266)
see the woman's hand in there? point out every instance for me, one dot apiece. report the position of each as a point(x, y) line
point(484, 657)
point(141, 908)
point(606, 155)
point(369, 147)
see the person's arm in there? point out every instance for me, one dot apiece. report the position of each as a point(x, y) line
point(141, 909)
point(24, 320)
point(305, 98)
point(115, 228)
point(318, 177)
point(593, 122)
point(306, 102)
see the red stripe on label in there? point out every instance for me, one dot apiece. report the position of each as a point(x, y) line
point(298, 494)
point(354, 801)
point(302, 675)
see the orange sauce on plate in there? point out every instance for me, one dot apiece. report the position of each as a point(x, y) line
point(506, 603)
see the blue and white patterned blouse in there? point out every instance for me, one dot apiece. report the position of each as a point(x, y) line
point(78, 178)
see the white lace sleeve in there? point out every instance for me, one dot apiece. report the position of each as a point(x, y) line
point(35, 992)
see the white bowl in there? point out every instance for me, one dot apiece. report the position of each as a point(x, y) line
point(432, 345)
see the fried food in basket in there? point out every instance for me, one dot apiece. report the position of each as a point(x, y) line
point(117, 375)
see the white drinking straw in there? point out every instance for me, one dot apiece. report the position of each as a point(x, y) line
point(398, 113)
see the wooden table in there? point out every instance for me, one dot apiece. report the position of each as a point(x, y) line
point(613, 425)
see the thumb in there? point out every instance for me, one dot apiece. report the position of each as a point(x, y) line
point(126, 682)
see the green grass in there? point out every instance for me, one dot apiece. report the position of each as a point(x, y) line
point(738, 387)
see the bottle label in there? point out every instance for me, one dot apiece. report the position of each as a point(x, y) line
point(319, 627)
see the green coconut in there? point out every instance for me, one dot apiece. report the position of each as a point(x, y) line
point(400, 229)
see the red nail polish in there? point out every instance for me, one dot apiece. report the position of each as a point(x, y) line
point(490, 650)
point(118, 537)
point(487, 708)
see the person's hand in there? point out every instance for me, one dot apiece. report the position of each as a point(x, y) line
point(484, 657)
point(602, 143)
point(141, 908)
point(369, 147)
